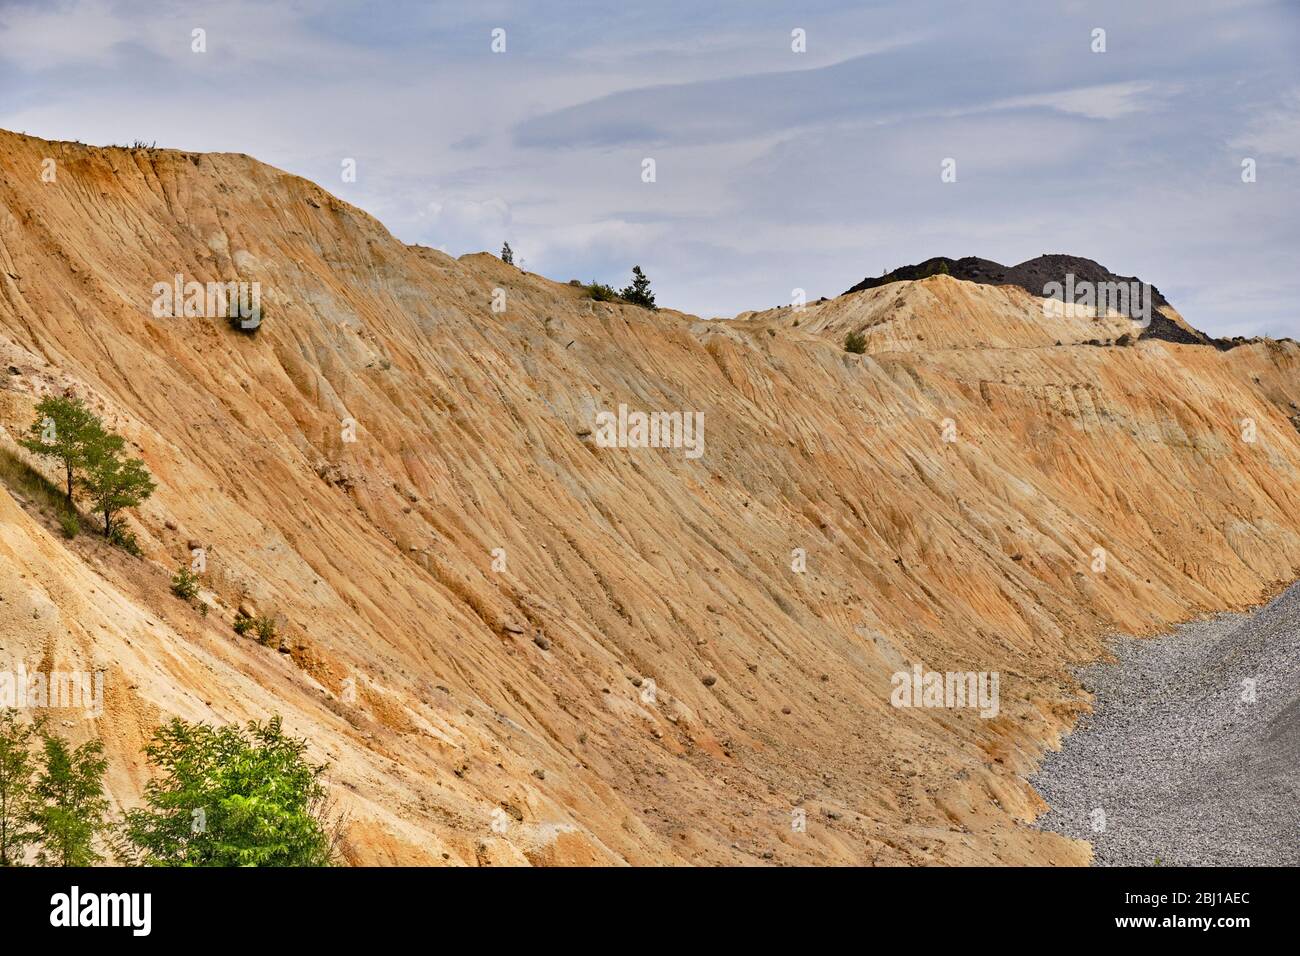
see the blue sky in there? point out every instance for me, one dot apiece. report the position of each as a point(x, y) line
point(775, 169)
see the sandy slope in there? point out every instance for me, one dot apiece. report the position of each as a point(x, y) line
point(478, 689)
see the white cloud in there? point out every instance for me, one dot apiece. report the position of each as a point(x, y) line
point(1109, 101)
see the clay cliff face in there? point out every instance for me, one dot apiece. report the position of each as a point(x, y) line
point(486, 610)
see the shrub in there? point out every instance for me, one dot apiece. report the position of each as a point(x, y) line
point(601, 292)
point(17, 778)
point(69, 524)
point(263, 626)
point(185, 584)
point(507, 255)
point(124, 538)
point(855, 342)
point(228, 796)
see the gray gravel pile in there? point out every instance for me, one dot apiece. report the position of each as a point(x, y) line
point(1184, 768)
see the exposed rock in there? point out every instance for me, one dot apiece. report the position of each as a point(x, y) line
point(641, 560)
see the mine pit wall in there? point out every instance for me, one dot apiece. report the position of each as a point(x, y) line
point(524, 689)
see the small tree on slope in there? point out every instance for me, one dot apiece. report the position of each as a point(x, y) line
point(638, 293)
point(69, 803)
point(114, 482)
point(17, 768)
point(64, 429)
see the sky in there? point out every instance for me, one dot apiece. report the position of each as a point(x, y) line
point(778, 164)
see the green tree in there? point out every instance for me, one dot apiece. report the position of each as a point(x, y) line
point(638, 293)
point(64, 429)
point(69, 804)
point(112, 481)
point(231, 797)
point(17, 770)
point(507, 255)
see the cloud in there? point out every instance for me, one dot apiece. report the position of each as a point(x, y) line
point(775, 169)
point(1106, 102)
point(47, 37)
point(470, 223)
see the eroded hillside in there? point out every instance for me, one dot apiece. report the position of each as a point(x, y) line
point(440, 689)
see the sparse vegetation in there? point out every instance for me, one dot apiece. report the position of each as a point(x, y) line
point(125, 538)
point(27, 481)
point(636, 293)
point(263, 626)
point(507, 255)
point(185, 584)
point(601, 292)
point(855, 342)
point(90, 456)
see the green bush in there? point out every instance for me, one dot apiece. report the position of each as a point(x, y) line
point(855, 342)
point(262, 625)
point(601, 292)
point(223, 796)
point(18, 768)
point(265, 628)
point(69, 524)
point(124, 538)
point(231, 796)
point(185, 584)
